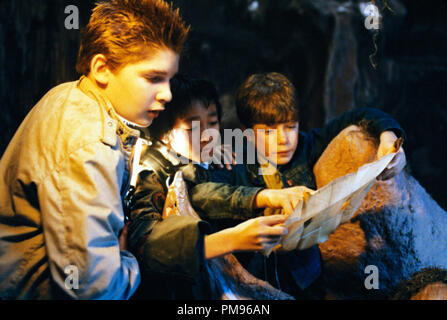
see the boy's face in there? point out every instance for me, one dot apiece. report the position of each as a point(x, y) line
point(277, 142)
point(139, 91)
point(181, 136)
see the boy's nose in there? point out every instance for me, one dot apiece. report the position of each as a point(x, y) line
point(205, 135)
point(164, 95)
point(282, 136)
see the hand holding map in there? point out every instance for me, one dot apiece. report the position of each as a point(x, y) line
point(315, 218)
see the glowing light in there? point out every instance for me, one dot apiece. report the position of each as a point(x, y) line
point(253, 6)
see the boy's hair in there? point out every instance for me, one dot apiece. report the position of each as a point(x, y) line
point(126, 30)
point(267, 98)
point(418, 281)
point(185, 91)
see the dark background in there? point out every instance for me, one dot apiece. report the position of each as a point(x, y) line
point(321, 45)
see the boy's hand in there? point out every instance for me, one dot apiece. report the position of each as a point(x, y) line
point(221, 157)
point(387, 145)
point(286, 199)
point(258, 234)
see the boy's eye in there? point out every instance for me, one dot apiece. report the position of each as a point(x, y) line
point(214, 123)
point(192, 128)
point(154, 79)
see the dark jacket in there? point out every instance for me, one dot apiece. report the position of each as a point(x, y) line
point(170, 251)
point(225, 197)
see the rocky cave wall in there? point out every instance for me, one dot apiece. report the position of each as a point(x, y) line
point(322, 45)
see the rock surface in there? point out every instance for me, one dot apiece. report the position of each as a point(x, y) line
point(399, 228)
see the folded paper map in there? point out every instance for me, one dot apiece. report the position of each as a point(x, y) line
point(317, 217)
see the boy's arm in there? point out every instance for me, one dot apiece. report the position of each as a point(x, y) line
point(222, 200)
point(82, 217)
point(373, 120)
point(214, 194)
point(174, 245)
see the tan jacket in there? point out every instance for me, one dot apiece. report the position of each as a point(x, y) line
point(62, 179)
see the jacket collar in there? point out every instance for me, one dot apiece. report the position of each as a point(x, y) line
point(112, 125)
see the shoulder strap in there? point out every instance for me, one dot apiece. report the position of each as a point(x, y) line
point(146, 156)
point(162, 167)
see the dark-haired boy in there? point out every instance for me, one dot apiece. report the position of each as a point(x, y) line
point(195, 104)
point(267, 104)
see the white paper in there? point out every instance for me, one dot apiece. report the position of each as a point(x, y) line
point(329, 206)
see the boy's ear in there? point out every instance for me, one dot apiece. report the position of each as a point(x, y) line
point(99, 69)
